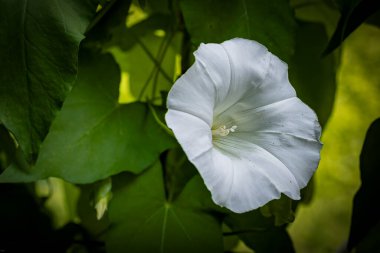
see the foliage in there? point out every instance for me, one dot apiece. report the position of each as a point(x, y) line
point(83, 87)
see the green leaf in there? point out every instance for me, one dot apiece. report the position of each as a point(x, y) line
point(39, 52)
point(365, 221)
point(94, 136)
point(259, 233)
point(354, 13)
point(144, 221)
point(269, 22)
point(313, 77)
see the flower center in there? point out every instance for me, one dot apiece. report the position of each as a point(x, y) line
point(223, 130)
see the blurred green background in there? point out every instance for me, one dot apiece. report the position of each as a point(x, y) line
point(323, 225)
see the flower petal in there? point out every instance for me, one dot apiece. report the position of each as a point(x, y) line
point(299, 155)
point(290, 116)
point(246, 179)
point(288, 129)
point(258, 77)
point(192, 133)
point(194, 93)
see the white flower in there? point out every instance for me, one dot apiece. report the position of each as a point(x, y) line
point(240, 123)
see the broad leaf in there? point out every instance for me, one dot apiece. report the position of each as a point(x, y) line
point(354, 13)
point(39, 55)
point(142, 220)
point(94, 136)
point(269, 22)
point(312, 75)
point(365, 222)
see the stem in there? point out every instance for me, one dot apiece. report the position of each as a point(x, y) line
point(159, 122)
point(161, 59)
point(153, 70)
point(152, 58)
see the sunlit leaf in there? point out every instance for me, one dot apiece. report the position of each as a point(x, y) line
point(144, 221)
point(313, 76)
point(94, 136)
point(365, 222)
point(269, 22)
point(39, 55)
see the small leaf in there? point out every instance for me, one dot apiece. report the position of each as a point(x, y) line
point(94, 136)
point(269, 22)
point(39, 52)
point(365, 221)
point(354, 13)
point(144, 221)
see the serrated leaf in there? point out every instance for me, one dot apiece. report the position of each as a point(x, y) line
point(39, 51)
point(143, 221)
point(94, 136)
point(365, 221)
point(269, 22)
point(313, 76)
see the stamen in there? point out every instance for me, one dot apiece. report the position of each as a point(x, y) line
point(223, 130)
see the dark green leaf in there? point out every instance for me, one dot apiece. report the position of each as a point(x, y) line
point(312, 76)
point(144, 221)
point(179, 171)
point(128, 37)
point(259, 232)
point(365, 221)
point(108, 22)
point(269, 22)
point(39, 51)
point(354, 13)
point(94, 136)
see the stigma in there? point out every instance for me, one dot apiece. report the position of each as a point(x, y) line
point(223, 130)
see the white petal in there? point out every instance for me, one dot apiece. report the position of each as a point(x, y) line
point(192, 133)
point(288, 129)
point(215, 61)
point(258, 77)
point(194, 93)
point(290, 116)
point(300, 156)
point(246, 178)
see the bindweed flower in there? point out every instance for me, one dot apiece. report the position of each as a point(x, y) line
point(240, 123)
